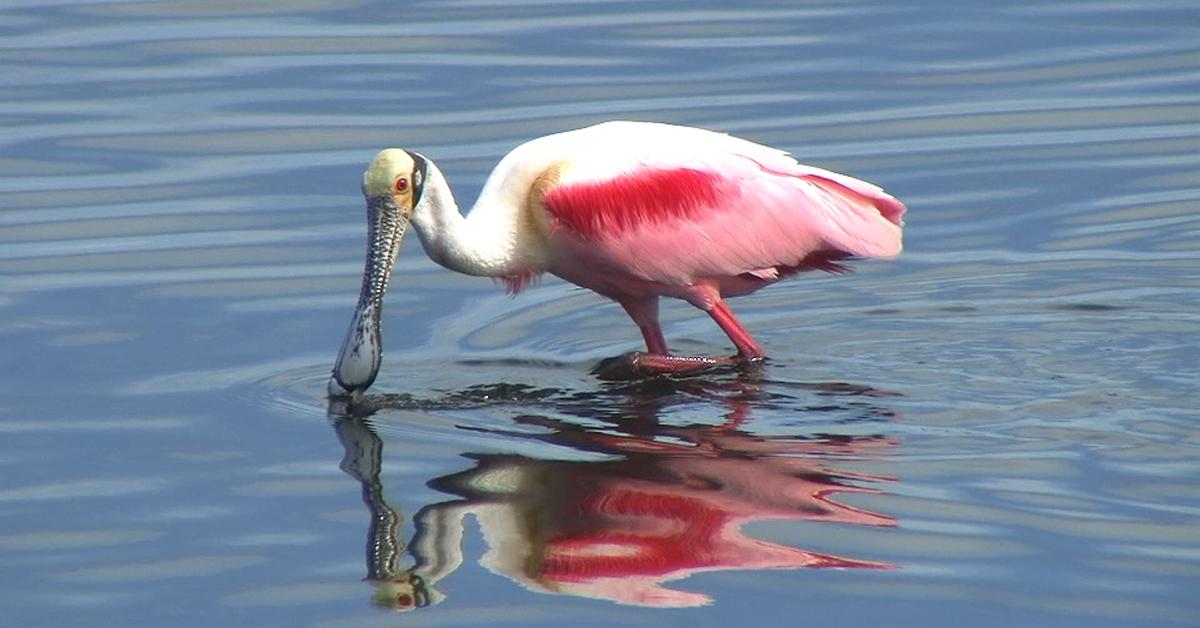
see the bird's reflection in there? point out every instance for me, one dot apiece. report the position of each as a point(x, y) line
point(665, 502)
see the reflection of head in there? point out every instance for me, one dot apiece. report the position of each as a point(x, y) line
point(404, 592)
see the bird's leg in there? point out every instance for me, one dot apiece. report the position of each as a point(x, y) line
point(748, 348)
point(659, 361)
point(655, 342)
point(644, 313)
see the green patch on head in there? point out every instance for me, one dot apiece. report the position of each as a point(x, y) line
point(380, 176)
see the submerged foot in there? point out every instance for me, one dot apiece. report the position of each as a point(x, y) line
point(637, 364)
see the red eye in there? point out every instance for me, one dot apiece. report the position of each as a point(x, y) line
point(401, 184)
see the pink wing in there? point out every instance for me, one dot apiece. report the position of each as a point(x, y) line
point(726, 214)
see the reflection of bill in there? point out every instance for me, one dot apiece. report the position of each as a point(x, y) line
point(617, 529)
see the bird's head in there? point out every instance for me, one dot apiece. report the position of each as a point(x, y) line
point(395, 180)
point(393, 186)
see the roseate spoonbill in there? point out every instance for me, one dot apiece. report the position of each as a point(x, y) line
point(631, 210)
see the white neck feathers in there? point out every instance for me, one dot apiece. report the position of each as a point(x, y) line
point(483, 243)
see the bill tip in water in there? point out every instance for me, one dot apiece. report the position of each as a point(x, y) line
point(337, 390)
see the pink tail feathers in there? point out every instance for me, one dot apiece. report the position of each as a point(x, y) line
point(861, 219)
point(851, 215)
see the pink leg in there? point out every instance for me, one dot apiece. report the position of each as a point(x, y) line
point(655, 342)
point(644, 313)
point(659, 361)
point(748, 348)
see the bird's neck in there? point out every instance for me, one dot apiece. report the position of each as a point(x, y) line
point(481, 243)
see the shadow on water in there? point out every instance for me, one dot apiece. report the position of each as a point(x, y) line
point(663, 502)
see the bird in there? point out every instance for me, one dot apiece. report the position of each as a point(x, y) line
point(633, 211)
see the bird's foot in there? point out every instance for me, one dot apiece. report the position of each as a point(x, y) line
point(636, 365)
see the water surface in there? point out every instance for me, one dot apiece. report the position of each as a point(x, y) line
point(999, 425)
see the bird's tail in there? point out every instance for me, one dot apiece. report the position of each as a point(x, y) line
point(862, 219)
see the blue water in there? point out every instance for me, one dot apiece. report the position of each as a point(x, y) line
point(999, 427)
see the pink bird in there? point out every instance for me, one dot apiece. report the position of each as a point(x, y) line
point(632, 210)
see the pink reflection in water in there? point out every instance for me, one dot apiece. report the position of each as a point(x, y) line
point(672, 502)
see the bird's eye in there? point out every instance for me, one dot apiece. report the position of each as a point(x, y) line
point(401, 184)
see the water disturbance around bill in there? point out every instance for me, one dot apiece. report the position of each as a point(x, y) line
point(1001, 425)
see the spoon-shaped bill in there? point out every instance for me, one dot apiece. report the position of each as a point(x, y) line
point(362, 350)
